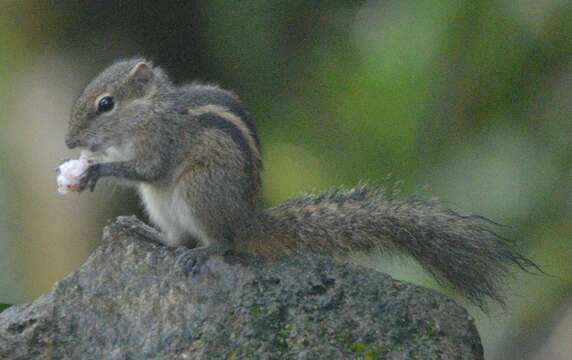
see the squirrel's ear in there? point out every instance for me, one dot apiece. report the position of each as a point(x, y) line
point(141, 72)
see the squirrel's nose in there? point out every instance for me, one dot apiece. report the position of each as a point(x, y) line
point(71, 142)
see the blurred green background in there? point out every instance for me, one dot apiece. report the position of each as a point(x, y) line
point(471, 100)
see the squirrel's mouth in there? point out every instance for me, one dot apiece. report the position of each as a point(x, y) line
point(95, 148)
point(102, 153)
point(88, 154)
point(92, 153)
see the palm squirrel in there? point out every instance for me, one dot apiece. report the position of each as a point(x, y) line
point(194, 155)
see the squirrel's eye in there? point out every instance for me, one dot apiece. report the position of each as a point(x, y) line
point(105, 104)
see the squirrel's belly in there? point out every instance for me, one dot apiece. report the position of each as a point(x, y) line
point(172, 214)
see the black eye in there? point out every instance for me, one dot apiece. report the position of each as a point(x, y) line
point(105, 104)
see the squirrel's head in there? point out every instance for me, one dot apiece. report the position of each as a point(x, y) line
point(114, 104)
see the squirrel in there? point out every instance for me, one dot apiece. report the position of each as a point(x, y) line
point(194, 155)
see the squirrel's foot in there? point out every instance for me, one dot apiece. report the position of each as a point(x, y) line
point(90, 177)
point(149, 233)
point(192, 260)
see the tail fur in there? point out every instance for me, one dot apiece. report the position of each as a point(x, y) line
point(461, 251)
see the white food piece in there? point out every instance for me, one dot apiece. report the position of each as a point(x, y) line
point(69, 174)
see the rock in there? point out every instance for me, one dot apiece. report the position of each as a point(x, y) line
point(131, 301)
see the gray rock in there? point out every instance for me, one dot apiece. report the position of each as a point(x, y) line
point(131, 301)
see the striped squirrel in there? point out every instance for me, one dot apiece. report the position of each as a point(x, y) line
point(194, 155)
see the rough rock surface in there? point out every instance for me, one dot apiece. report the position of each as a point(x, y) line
point(131, 301)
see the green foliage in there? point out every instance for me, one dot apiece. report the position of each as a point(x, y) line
point(4, 307)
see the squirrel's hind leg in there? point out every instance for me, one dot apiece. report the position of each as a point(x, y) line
point(170, 239)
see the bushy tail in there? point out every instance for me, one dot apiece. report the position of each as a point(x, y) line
point(461, 251)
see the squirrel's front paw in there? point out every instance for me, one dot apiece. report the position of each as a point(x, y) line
point(90, 177)
point(193, 260)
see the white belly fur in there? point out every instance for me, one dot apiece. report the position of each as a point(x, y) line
point(168, 210)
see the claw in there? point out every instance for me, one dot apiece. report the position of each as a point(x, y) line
point(90, 177)
point(193, 260)
point(92, 183)
point(150, 234)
